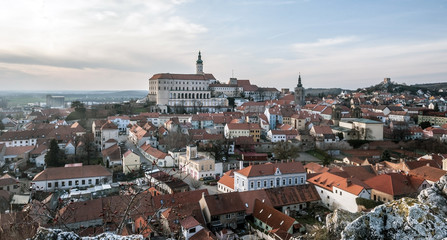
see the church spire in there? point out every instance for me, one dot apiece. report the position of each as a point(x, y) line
point(199, 60)
point(299, 80)
point(199, 64)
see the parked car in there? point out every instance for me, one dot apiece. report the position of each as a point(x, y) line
point(206, 178)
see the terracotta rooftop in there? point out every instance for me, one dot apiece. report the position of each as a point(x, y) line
point(290, 195)
point(227, 180)
point(189, 222)
point(329, 180)
point(171, 76)
point(395, 184)
point(59, 173)
point(270, 169)
point(11, 151)
point(430, 173)
point(315, 167)
point(219, 204)
point(272, 217)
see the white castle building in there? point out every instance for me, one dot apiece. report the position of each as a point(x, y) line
point(185, 92)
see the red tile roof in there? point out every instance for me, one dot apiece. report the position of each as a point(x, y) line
point(59, 173)
point(272, 217)
point(283, 196)
point(270, 169)
point(430, 173)
point(219, 204)
point(227, 180)
point(189, 222)
point(329, 180)
point(172, 76)
point(395, 184)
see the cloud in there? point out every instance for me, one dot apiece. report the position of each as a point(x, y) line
point(325, 42)
point(95, 34)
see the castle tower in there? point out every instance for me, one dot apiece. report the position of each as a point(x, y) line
point(199, 65)
point(191, 152)
point(299, 92)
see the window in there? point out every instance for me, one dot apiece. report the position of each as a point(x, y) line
point(97, 181)
point(302, 180)
point(90, 182)
point(321, 191)
point(49, 184)
point(278, 182)
point(284, 182)
point(290, 181)
point(265, 183)
point(259, 184)
point(83, 182)
point(228, 216)
point(340, 193)
point(336, 191)
point(242, 183)
point(252, 185)
point(192, 230)
point(69, 183)
point(63, 183)
point(56, 184)
point(271, 183)
point(77, 182)
point(296, 180)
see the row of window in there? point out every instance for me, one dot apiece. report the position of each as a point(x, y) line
point(285, 182)
point(70, 183)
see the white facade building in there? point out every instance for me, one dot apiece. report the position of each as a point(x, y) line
point(338, 192)
point(185, 92)
point(269, 175)
point(60, 178)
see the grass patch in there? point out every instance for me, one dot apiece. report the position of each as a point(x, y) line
point(316, 153)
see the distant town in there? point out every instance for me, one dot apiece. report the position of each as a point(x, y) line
point(194, 157)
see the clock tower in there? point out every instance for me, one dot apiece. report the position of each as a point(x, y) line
point(299, 92)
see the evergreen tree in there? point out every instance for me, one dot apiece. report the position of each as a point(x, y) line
point(436, 107)
point(53, 155)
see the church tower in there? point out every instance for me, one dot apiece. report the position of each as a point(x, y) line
point(199, 65)
point(299, 93)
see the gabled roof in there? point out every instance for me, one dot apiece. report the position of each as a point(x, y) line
point(315, 167)
point(171, 76)
point(109, 126)
point(272, 217)
point(59, 173)
point(270, 169)
point(430, 173)
point(395, 184)
point(249, 197)
point(113, 153)
point(189, 222)
point(219, 204)
point(322, 130)
point(329, 180)
point(290, 195)
point(227, 180)
point(153, 151)
point(18, 150)
point(243, 126)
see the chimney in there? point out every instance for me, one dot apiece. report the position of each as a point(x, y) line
point(348, 182)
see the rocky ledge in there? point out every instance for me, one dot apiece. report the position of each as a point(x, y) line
point(407, 218)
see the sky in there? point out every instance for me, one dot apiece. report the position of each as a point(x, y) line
point(119, 45)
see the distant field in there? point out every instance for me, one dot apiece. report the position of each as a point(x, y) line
point(23, 100)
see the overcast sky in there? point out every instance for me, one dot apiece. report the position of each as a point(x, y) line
point(119, 45)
